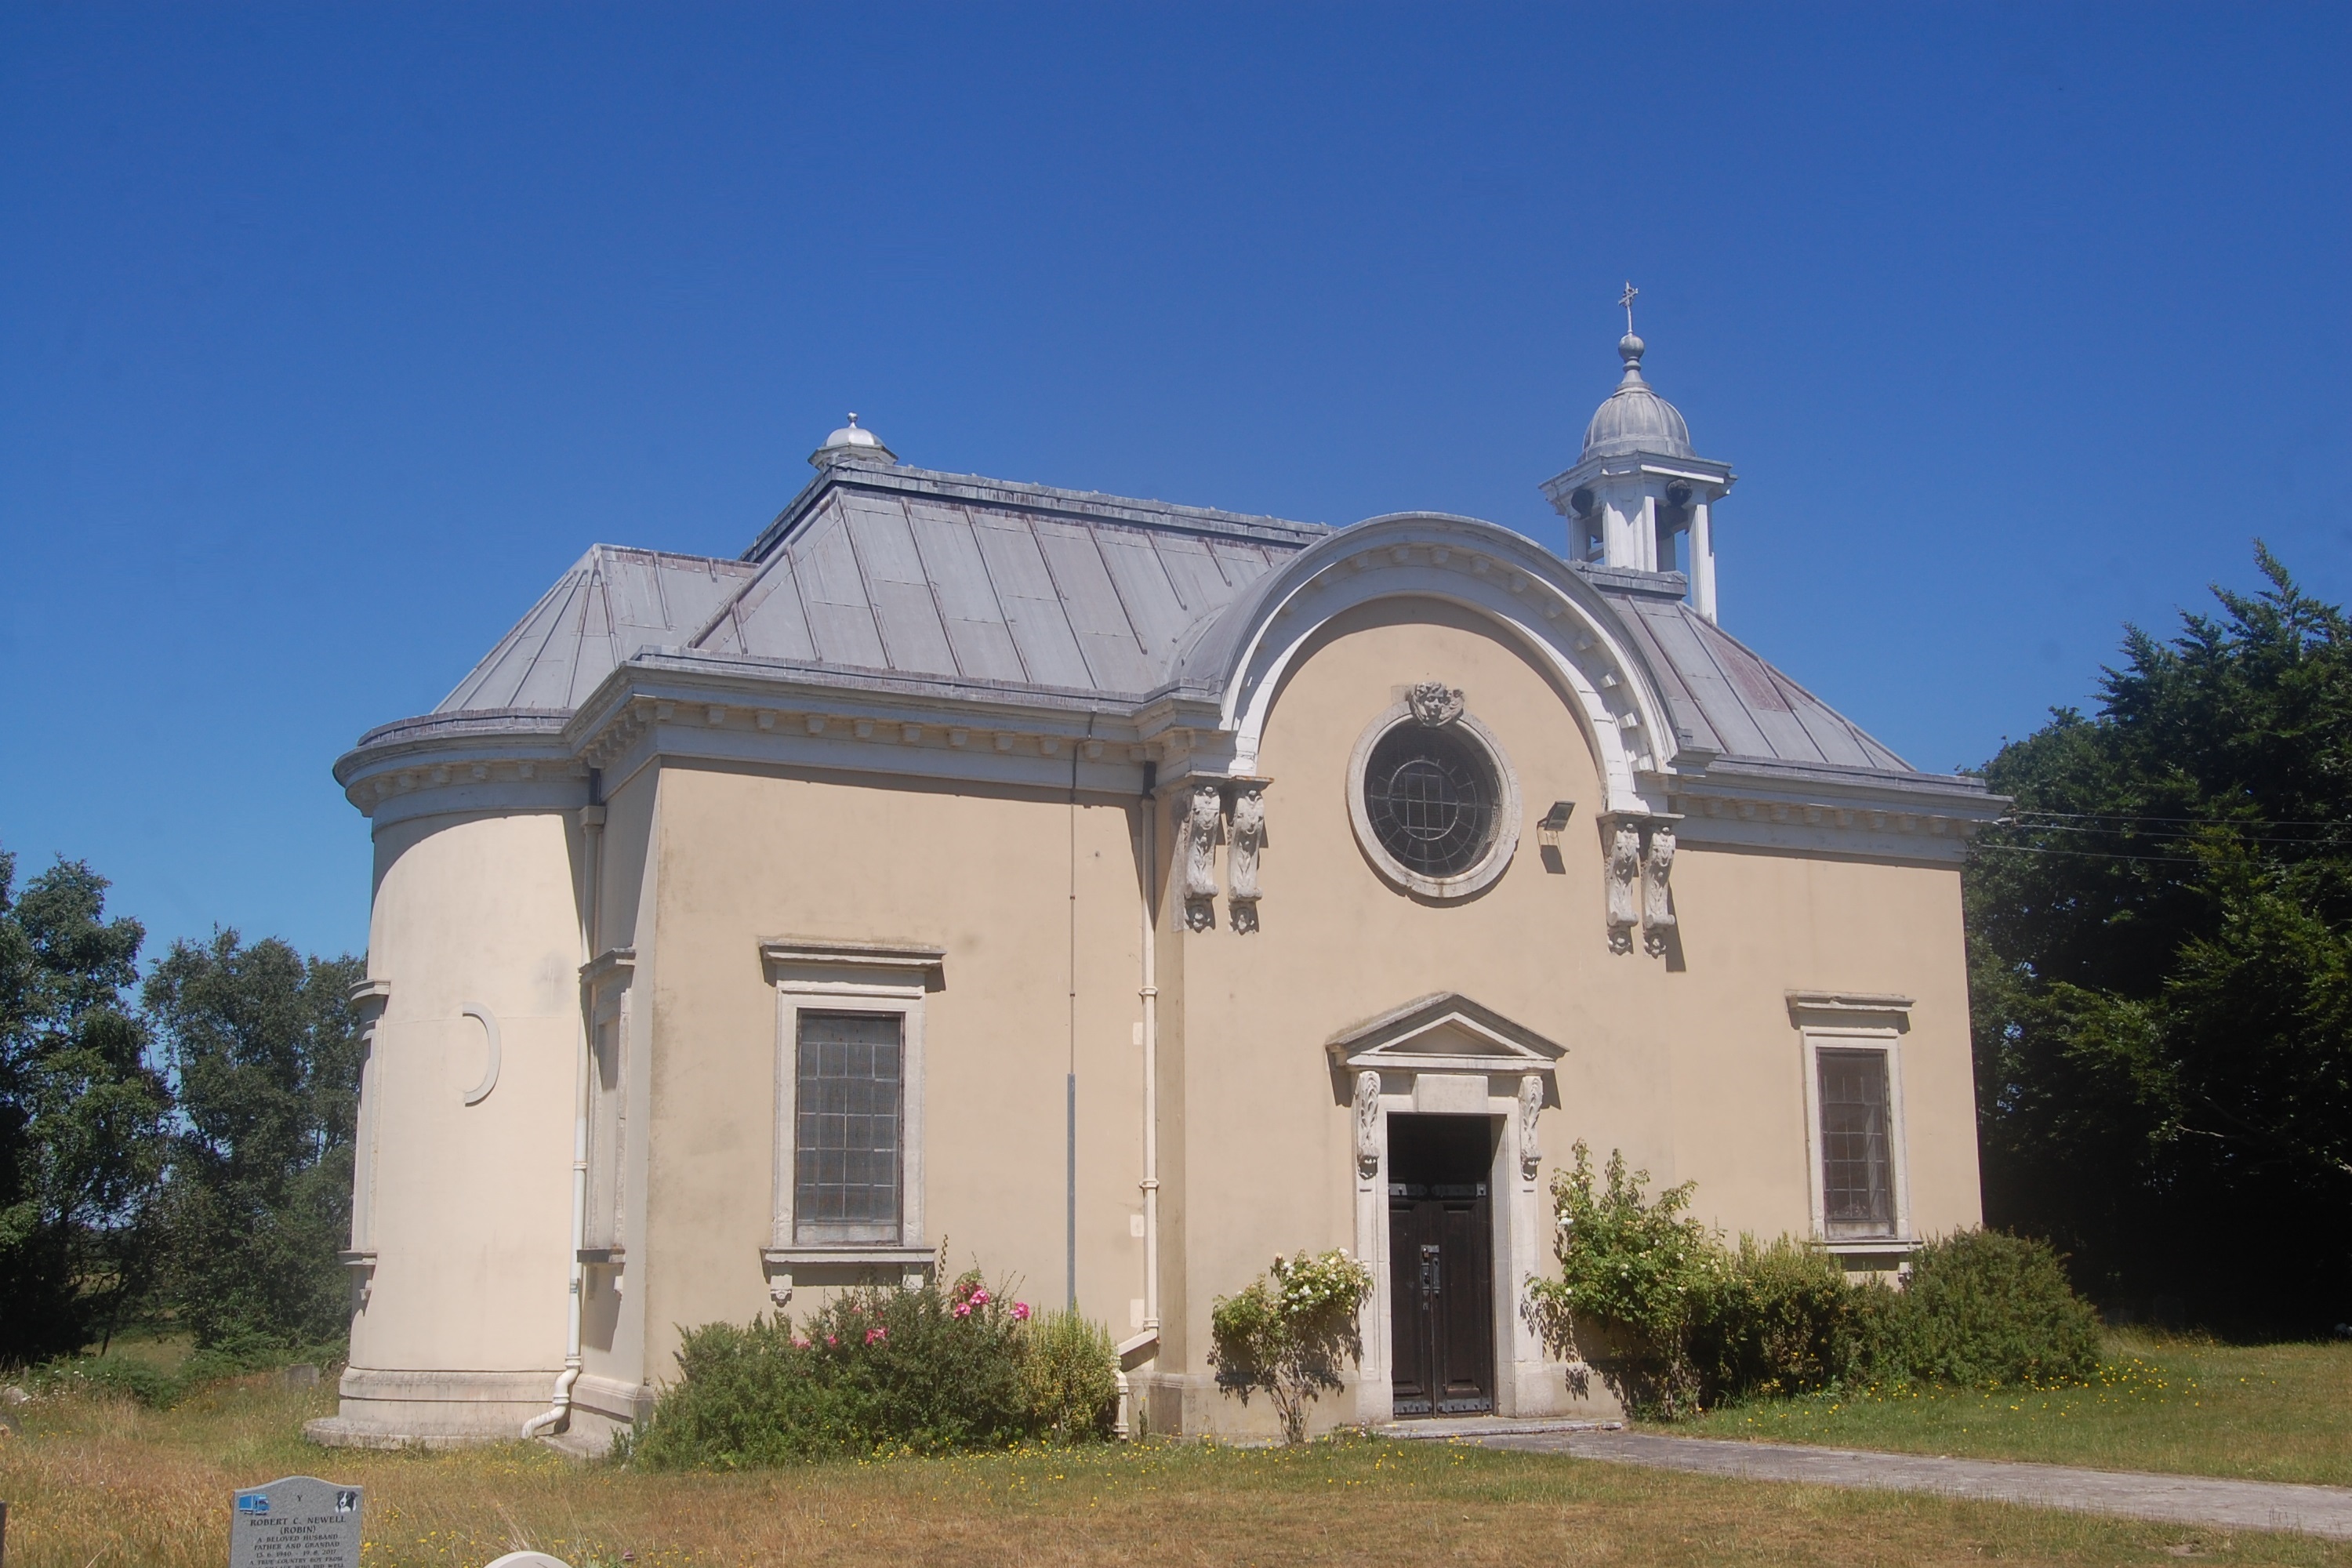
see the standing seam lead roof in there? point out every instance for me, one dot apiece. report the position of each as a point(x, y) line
point(949, 576)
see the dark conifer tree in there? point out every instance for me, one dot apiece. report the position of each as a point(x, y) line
point(2161, 967)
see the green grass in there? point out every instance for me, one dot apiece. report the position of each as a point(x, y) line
point(2272, 1412)
point(100, 1483)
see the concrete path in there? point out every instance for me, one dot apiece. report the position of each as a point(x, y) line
point(2185, 1500)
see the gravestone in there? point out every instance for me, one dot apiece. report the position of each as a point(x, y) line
point(301, 1374)
point(299, 1522)
point(529, 1560)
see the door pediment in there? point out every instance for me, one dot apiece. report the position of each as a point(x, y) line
point(1447, 1031)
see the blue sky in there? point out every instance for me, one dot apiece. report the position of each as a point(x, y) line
point(331, 335)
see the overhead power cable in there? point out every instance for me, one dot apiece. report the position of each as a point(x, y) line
point(2087, 854)
point(2173, 836)
point(2208, 821)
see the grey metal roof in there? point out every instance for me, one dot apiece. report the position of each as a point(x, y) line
point(1730, 701)
point(611, 604)
point(906, 572)
point(962, 579)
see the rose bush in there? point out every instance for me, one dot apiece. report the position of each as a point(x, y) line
point(926, 1371)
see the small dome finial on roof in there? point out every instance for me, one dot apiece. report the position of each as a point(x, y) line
point(852, 443)
point(1632, 349)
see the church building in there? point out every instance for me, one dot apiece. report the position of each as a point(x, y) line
point(1111, 894)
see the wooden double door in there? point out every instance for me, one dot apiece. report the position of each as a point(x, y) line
point(1441, 1265)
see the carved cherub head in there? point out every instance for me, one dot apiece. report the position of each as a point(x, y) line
point(1434, 703)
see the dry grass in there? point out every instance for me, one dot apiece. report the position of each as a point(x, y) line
point(2272, 1412)
point(96, 1483)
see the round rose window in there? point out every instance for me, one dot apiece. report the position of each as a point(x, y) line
point(1430, 799)
point(1433, 802)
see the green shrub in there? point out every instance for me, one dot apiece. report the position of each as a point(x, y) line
point(1984, 1307)
point(1678, 1323)
point(145, 1382)
point(139, 1381)
point(1635, 1276)
point(1287, 1331)
point(1070, 1372)
point(744, 1398)
point(1780, 1320)
point(927, 1371)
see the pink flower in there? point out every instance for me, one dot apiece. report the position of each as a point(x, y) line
point(979, 1298)
point(831, 1342)
point(963, 1308)
point(800, 1343)
point(1020, 1311)
point(876, 1334)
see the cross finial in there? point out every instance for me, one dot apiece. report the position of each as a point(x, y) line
point(1626, 299)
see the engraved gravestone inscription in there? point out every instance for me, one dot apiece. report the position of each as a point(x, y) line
point(299, 1522)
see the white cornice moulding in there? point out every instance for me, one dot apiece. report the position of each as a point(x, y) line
point(903, 964)
point(825, 950)
point(1856, 1007)
point(1389, 1041)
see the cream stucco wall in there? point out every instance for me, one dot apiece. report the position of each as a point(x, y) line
point(988, 877)
point(463, 1323)
point(1688, 1061)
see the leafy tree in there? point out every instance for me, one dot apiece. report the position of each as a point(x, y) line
point(2160, 948)
point(264, 1047)
point(81, 1114)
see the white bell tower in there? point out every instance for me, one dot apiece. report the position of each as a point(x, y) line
point(1640, 499)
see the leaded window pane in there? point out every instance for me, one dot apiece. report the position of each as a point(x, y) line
point(1431, 795)
point(1857, 1157)
point(848, 1117)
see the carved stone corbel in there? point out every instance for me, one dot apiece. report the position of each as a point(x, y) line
point(1368, 1122)
point(1200, 813)
point(1625, 870)
point(1658, 905)
point(1530, 1110)
point(1249, 837)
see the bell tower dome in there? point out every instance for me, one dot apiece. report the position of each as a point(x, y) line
point(1639, 499)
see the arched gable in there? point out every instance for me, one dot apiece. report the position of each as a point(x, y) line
point(1527, 593)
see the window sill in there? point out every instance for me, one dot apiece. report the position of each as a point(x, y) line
point(612, 1256)
point(365, 1259)
point(876, 1253)
point(1871, 1245)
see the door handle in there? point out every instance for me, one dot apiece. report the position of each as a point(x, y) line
point(1431, 1275)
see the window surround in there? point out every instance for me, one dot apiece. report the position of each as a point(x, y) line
point(1501, 847)
point(826, 976)
point(1848, 1020)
